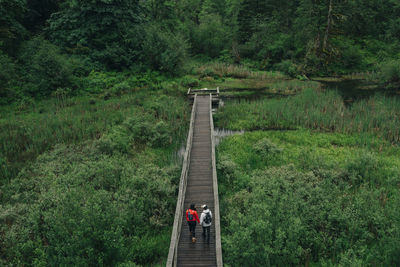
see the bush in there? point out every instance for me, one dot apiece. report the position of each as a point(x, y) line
point(189, 82)
point(106, 31)
point(163, 50)
point(45, 69)
point(139, 130)
point(266, 148)
point(210, 38)
point(288, 67)
point(290, 218)
point(325, 202)
point(390, 72)
point(85, 208)
point(363, 168)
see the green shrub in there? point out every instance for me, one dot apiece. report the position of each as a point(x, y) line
point(105, 31)
point(121, 88)
point(163, 50)
point(266, 148)
point(284, 216)
point(390, 72)
point(85, 207)
point(189, 82)
point(363, 168)
point(45, 68)
point(210, 37)
point(288, 67)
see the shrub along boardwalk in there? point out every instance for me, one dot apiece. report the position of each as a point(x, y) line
point(199, 188)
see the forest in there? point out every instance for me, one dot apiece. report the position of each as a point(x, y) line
point(94, 114)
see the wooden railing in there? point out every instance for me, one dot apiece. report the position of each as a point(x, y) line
point(217, 222)
point(173, 248)
point(203, 91)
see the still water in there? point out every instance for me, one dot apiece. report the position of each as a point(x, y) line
point(355, 89)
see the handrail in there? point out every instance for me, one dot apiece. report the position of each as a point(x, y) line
point(217, 222)
point(173, 248)
point(203, 91)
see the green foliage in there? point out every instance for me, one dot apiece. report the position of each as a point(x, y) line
point(265, 147)
point(301, 206)
point(163, 50)
point(288, 67)
point(210, 38)
point(67, 119)
point(11, 28)
point(91, 181)
point(390, 72)
point(45, 69)
point(104, 30)
point(138, 130)
point(84, 207)
point(314, 109)
point(363, 168)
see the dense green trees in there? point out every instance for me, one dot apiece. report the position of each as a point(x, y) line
point(297, 37)
point(11, 28)
point(104, 30)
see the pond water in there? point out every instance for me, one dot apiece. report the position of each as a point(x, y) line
point(355, 89)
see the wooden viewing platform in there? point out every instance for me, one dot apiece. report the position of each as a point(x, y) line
point(198, 185)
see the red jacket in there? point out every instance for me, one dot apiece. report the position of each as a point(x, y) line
point(195, 216)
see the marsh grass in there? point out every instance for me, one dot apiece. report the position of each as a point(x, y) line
point(220, 70)
point(25, 136)
point(371, 76)
point(314, 109)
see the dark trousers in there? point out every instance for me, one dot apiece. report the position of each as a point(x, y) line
point(192, 227)
point(206, 232)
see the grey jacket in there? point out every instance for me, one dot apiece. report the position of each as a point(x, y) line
point(203, 216)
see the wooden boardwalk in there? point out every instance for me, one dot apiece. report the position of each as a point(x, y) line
point(200, 187)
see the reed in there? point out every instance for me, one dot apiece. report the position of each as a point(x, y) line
point(25, 136)
point(218, 69)
point(324, 111)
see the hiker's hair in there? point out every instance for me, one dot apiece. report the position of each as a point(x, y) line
point(192, 207)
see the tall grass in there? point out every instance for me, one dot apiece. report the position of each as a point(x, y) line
point(318, 110)
point(25, 136)
point(220, 70)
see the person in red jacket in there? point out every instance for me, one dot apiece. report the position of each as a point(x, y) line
point(192, 217)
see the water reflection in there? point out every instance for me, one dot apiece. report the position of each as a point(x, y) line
point(219, 134)
point(356, 89)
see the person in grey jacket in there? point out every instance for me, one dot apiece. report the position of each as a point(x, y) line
point(205, 221)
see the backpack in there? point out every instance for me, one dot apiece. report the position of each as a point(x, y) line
point(190, 215)
point(207, 219)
